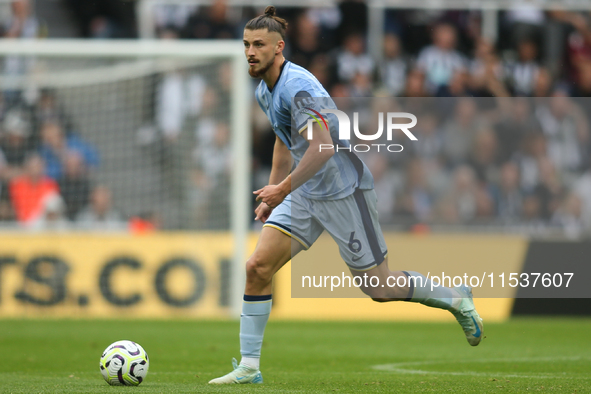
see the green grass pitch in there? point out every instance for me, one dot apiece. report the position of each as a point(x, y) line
point(535, 355)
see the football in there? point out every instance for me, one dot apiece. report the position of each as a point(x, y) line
point(124, 363)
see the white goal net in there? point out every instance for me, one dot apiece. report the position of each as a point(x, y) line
point(158, 128)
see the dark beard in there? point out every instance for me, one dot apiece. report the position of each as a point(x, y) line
point(266, 68)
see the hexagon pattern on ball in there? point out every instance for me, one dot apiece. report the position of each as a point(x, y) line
point(124, 363)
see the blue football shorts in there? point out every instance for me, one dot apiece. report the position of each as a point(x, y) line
point(351, 221)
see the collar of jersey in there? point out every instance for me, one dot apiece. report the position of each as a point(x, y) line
point(279, 77)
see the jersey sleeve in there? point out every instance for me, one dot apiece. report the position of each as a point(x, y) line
point(304, 101)
point(257, 95)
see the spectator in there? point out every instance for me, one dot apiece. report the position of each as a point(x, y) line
point(353, 17)
point(417, 199)
point(459, 131)
point(484, 156)
point(3, 106)
point(486, 65)
point(53, 217)
point(361, 86)
point(470, 201)
point(567, 131)
point(531, 214)
point(578, 45)
point(74, 184)
point(6, 211)
point(13, 143)
point(550, 190)
point(223, 85)
point(49, 110)
point(100, 214)
point(55, 145)
point(415, 84)
point(353, 59)
point(569, 216)
point(385, 185)
point(178, 96)
point(394, 67)
point(534, 148)
point(30, 192)
point(508, 196)
point(3, 168)
point(583, 87)
point(23, 23)
point(516, 120)
point(211, 23)
point(215, 160)
point(543, 84)
point(3, 178)
point(171, 105)
point(206, 123)
point(429, 142)
point(340, 90)
point(457, 87)
point(582, 188)
point(526, 19)
point(320, 66)
point(305, 41)
point(441, 60)
point(212, 178)
point(522, 74)
point(173, 17)
point(105, 18)
point(327, 17)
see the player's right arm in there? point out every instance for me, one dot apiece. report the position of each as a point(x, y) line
point(282, 162)
point(281, 166)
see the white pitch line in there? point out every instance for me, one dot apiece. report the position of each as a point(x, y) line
point(402, 367)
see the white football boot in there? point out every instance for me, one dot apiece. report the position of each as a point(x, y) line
point(467, 316)
point(241, 374)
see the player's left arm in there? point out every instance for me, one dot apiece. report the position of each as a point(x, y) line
point(312, 161)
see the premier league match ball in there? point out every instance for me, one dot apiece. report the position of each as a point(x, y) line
point(124, 363)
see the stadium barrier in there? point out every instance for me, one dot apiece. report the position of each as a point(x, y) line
point(152, 275)
point(188, 275)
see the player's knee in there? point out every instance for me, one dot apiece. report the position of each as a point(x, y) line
point(258, 269)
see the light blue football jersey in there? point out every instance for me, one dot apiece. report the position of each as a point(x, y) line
point(288, 106)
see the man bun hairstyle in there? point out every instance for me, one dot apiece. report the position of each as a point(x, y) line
point(270, 10)
point(268, 21)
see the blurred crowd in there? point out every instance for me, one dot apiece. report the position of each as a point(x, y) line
point(46, 169)
point(505, 139)
point(518, 163)
point(48, 172)
point(191, 116)
point(517, 160)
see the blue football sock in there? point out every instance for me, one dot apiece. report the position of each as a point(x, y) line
point(255, 313)
point(420, 290)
